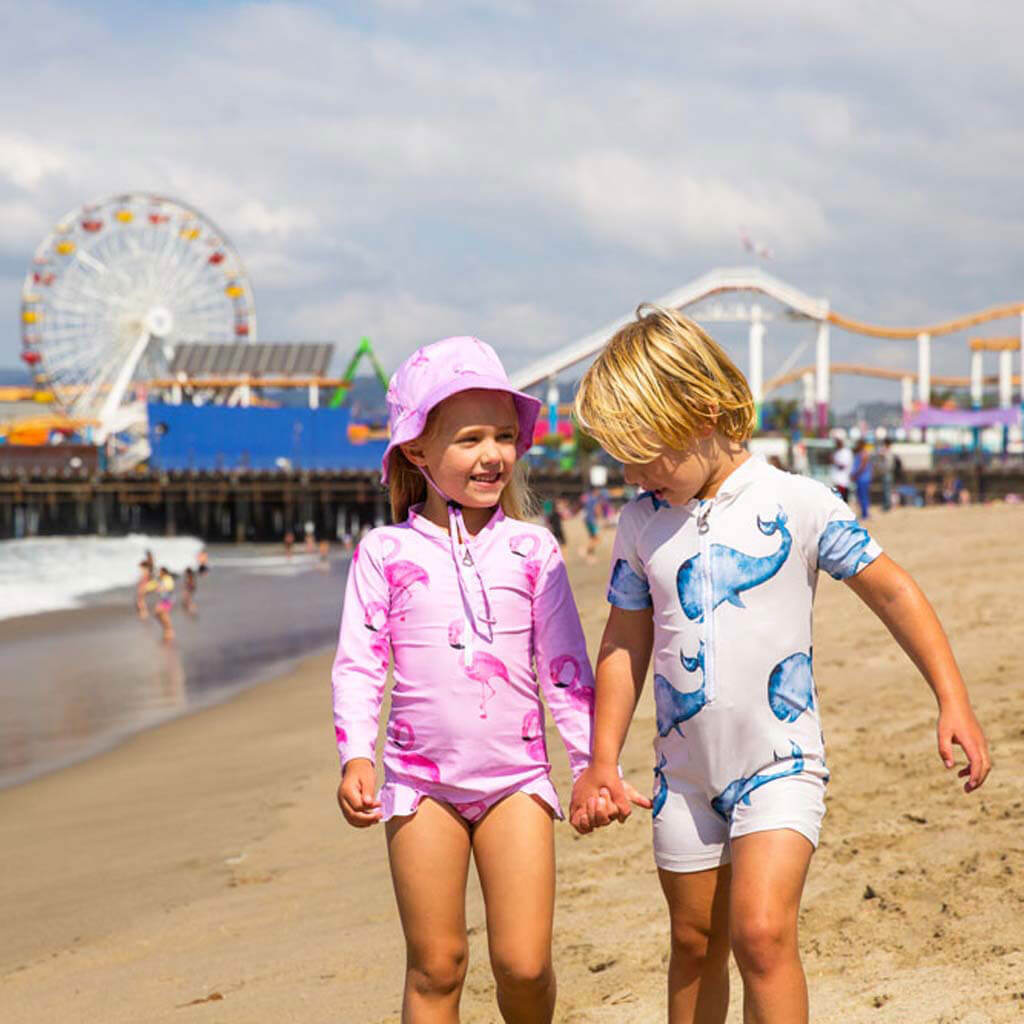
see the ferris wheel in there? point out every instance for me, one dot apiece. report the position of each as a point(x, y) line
point(114, 288)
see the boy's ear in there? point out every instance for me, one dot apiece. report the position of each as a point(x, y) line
point(414, 453)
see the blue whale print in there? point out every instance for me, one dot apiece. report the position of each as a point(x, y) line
point(673, 707)
point(791, 687)
point(732, 571)
point(842, 548)
point(627, 589)
point(660, 787)
point(655, 500)
point(739, 790)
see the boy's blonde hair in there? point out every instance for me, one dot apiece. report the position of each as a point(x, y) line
point(407, 485)
point(658, 383)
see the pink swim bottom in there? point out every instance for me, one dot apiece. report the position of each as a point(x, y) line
point(399, 799)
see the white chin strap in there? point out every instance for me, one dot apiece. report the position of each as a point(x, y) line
point(478, 621)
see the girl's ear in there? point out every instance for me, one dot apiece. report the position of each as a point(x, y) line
point(414, 453)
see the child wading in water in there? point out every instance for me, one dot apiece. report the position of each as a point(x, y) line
point(464, 597)
point(713, 571)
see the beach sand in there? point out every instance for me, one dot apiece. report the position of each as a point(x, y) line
point(201, 870)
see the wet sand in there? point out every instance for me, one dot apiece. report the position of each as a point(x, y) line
point(201, 871)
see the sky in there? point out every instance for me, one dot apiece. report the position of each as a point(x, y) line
point(528, 171)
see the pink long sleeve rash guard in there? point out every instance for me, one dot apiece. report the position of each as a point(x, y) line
point(466, 725)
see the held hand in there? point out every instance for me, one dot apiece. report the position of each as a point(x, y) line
point(958, 725)
point(356, 793)
point(600, 796)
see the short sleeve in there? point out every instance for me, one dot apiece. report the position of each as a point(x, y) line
point(628, 587)
point(840, 546)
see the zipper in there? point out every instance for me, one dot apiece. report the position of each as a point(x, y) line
point(707, 595)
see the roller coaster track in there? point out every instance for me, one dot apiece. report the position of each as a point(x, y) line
point(984, 316)
point(880, 373)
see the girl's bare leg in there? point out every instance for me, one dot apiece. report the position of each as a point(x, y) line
point(768, 874)
point(429, 854)
point(698, 967)
point(515, 858)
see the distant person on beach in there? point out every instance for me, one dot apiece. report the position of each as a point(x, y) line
point(861, 477)
point(324, 557)
point(714, 571)
point(554, 520)
point(165, 602)
point(203, 562)
point(839, 475)
point(887, 461)
point(589, 511)
point(188, 596)
point(461, 595)
point(289, 543)
point(143, 588)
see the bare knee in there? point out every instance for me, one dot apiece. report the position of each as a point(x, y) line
point(761, 943)
point(522, 975)
point(697, 946)
point(437, 972)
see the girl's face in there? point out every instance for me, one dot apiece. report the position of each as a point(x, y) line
point(471, 450)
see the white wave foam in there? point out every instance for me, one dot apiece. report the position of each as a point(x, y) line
point(42, 574)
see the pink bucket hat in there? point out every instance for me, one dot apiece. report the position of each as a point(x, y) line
point(436, 372)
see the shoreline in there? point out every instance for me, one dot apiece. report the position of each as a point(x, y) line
point(203, 864)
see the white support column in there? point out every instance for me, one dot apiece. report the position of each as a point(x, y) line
point(808, 401)
point(314, 396)
point(822, 376)
point(244, 395)
point(1005, 379)
point(756, 364)
point(907, 394)
point(1022, 359)
point(924, 368)
point(977, 380)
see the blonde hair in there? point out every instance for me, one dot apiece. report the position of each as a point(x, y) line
point(658, 383)
point(407, 485)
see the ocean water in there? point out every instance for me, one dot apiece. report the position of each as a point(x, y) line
point(42, 574)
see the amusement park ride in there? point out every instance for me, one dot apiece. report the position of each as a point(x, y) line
point(701, 300)
point(120, 285)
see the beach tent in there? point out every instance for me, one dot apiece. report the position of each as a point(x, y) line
point(973, 418)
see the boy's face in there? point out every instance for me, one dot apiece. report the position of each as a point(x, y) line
point(674, 476)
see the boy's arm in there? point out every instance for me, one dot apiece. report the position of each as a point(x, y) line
point(622, 662)
point(891, 593)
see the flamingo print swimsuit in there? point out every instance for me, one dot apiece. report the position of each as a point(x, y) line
point(731, 582)
point(466, 725)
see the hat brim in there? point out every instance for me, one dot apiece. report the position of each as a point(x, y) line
point(527, 411)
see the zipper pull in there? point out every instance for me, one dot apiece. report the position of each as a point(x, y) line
point(702, 518)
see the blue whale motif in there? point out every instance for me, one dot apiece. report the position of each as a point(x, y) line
point(732, 571)
point(843, 548)
point(657, 502)
point(673, 707)
point(660, 787)
point(791, 687)
point(628, 590)
point(739, 790)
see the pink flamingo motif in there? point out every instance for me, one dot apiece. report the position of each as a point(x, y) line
point(339, 734)
point(525, 545)
point(581, 696)
point(455, 628)
point(472, 811)
point(379, 647)
point(375, 616)
point(420, 359)
point(533, 735)
point(401, 575)
point(483, 668)
point(402, 734)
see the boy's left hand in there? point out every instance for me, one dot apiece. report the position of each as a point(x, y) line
point(957, 724)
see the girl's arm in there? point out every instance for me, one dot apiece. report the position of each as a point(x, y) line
point(891, 593)
point(622, 662)
point(358, 679)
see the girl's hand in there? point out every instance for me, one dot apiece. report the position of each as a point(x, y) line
point(356, 793)
point(957, 724)
point(600, 796)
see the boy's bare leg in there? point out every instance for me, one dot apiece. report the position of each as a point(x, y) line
point(698, 967)
point(429, 854)
point(768, 874)
point(515, 858)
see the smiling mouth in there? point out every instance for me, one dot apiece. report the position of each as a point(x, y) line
point(485, 478)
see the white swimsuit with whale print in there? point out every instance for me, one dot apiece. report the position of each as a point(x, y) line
point(731, 581)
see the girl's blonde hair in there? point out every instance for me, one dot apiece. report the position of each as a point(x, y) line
point(407, 485)
point(658, 383)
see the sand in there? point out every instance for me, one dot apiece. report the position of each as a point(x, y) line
point(201, 872)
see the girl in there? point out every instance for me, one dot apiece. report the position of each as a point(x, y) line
point(165, 590)
point(713, 571)
point(465, 598)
